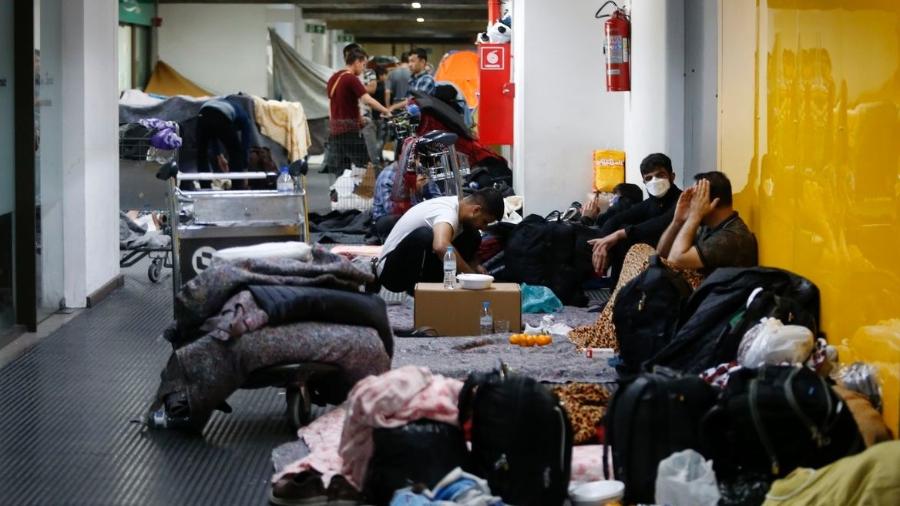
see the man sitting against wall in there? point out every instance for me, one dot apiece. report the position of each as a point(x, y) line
point(415, 249)
point(705, 233)
point(642, 223)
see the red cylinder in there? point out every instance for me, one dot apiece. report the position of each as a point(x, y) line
point(618, 52)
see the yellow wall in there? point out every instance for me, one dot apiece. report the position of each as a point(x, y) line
point(809, 131)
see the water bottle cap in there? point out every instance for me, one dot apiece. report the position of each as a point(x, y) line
point(450, 248)
point(486, 304)
point(284, 170)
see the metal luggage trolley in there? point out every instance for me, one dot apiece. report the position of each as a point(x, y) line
point(139, 189)
point(210, 220)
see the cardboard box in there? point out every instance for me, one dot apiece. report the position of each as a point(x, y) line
point(457, 312)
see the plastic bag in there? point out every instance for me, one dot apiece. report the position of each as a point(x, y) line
point(548, 326)
point(863, 378)
point(686, 479)
point(609, 169)
point(539, 299)
point(772, 342)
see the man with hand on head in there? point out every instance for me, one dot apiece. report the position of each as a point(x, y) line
point(706, 232)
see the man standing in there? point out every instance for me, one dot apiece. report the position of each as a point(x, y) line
point(416, 246)
point(345, 91)
point(398, 82)
point(421, 80)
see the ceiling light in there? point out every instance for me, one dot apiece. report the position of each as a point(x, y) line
point(420, 20)
point(416, 5)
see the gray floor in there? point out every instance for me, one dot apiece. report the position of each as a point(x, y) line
point(67, 402)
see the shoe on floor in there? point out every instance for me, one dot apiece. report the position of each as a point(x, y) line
point(342, 493)
point(302, 489)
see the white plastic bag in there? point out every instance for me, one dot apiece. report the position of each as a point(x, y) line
point(686, 479)
point(771, 342)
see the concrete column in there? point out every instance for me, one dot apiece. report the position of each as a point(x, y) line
point(90, 147)
point(654, 109)
point(562, 109)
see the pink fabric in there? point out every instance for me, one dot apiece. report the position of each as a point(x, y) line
point(323, 437)
point(587, 463)
point(391, 400)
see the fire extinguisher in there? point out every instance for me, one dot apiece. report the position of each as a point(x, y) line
point(617, 46)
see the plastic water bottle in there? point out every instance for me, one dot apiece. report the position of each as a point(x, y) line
point(450, 269)
point(285, 182)
point(487, 319)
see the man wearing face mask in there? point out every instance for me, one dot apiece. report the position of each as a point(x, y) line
point(642, 223)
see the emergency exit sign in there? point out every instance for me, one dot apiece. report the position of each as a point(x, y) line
point(315, 28)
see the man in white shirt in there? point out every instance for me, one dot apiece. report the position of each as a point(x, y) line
point(415, 249)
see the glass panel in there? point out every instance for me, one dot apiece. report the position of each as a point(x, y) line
point(141, 56)
point(7, 161)
point(124, 58)
point(48, 158)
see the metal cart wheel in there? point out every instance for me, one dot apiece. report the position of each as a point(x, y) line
point(154, 272)
point(299, 406)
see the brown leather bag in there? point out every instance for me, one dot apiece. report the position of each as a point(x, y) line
point(871, 424)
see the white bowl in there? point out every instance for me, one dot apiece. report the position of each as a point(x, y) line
point(597, 493)
point(474, 281)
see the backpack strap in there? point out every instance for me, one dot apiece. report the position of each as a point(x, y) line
point(817, 434)
point(753, 401)
point(336, 81)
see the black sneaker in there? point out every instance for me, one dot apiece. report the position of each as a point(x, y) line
point(302, 489)
point(341, 493)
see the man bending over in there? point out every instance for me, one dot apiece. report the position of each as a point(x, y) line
point(415, 248)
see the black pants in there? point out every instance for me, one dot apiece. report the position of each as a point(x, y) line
point(212, 126)
point(414, 261)
point(383, 226)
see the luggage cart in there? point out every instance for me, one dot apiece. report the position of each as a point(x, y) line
point(140, 190)
point(210, 220)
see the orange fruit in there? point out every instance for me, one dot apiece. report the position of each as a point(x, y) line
point(544, 340)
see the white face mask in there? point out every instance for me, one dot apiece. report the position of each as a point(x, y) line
point(658, 186)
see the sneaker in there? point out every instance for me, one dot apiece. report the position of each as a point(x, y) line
point(302, 489)
point(341, 493)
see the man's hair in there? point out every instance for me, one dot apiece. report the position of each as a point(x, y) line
point(354, 55)
point(380, 71)
point(490, 201)
point(629, 191)
point(654, 161)
point(349, 47)
point(719, 186)
point(421, 53)
point(404, 57)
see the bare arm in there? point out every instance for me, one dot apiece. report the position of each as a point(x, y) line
point(387, 96)
point(443, 239)
point(371, 102)
point(398, 105)
point(683, 253)
point(668, 238)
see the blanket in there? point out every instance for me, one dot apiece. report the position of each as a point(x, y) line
point(204, 295)
point(209, 370)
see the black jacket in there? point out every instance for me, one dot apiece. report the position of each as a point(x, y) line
point(645, 222)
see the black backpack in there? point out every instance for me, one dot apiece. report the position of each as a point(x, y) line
point(717, 315)
point(775, 419)
point(521, 438)
point(646, 314)
point(423, 451)
point(541, 252)
point(650, 417)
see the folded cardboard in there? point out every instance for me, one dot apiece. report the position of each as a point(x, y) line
point(457, 312)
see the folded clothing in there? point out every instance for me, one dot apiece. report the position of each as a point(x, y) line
point(208, 370)
point(287, 249)
point(286, 304)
